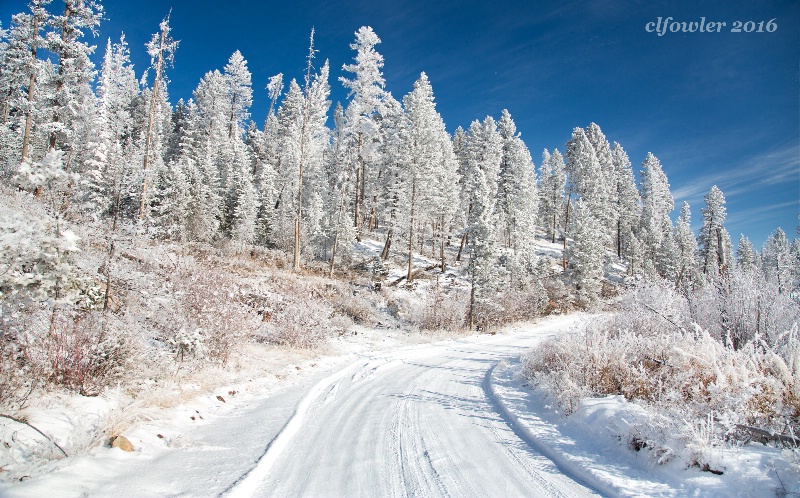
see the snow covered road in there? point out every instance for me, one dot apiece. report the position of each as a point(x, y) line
point(415, 422)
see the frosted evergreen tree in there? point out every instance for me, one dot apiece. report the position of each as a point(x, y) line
point(200, 155)
point(242, 200)
point(517, 200)
point(482, 247)
point(483, 153)
point(585, 179)
point(794, 252)
point(72, 95)
point(266, 164)
point(161, 49)
point(396, 168)
point(108, 173)
point(290, 117)
point(586, 253)
point(366, 93)
point(745, 254)
point(686, 248)
point(315, 147)
point(341, 230)
point(655, 225)
point(432, 167)
point(714, 240)
point(22, 69)
point(303, 139)
point(668, 255)
point(229, 110)
point(462, 214)
point(553, 178)
point(240, 93)
point(169, 203)
point(627, 209)
point(606, 188)
point(776, 261)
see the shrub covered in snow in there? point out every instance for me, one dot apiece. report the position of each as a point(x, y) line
point(705, 383)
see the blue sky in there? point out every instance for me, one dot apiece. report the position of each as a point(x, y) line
point(716, 108)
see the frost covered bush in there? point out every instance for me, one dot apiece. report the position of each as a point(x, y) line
point(298, 324)
point(511, 305)
point(81, 351)
point(524, 303)
point(16, 381)
point(442, 308)
point(303, 311)
point(701, 380)
point(215, 317)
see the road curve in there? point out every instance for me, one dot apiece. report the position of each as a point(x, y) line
point(414, 422)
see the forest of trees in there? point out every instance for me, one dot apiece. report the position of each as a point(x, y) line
point(105, 146)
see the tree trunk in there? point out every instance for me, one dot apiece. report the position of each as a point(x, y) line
point(359, 174)
point(387, 245)
point(464, 240)
point(336, 237)
point(566, 224)
point(26, 137)
point(151, 117)
point(390, 232)
point(441, 250)
point(471, 313)
point(411, 231)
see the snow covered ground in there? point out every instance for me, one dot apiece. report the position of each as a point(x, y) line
point(385, 418)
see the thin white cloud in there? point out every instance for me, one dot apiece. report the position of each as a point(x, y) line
point(775, 167)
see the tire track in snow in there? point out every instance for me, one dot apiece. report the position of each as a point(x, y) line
point(416, 422)
point(247, 485)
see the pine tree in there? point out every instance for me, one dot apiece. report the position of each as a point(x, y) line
point(266, 163)
point(585, 179)
point(367, 92)
point(483, 251)
point(460, 142)
point(686, 248)
point(777, 261)
point(72, 95)
point(483, 152)
point(745, 254)
point(20, 73)
point(714, 240)
point(794, 252)
point(553, 178)
point(627, 209)
point(241, 206)
point(341, 231)
point(396, 167)
point(655, 225)
point(586, 253)
point(107, 170)
point(606, 182)
point(161, 49)
point(517, 200)
point(432, 166)
point(240, 93)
